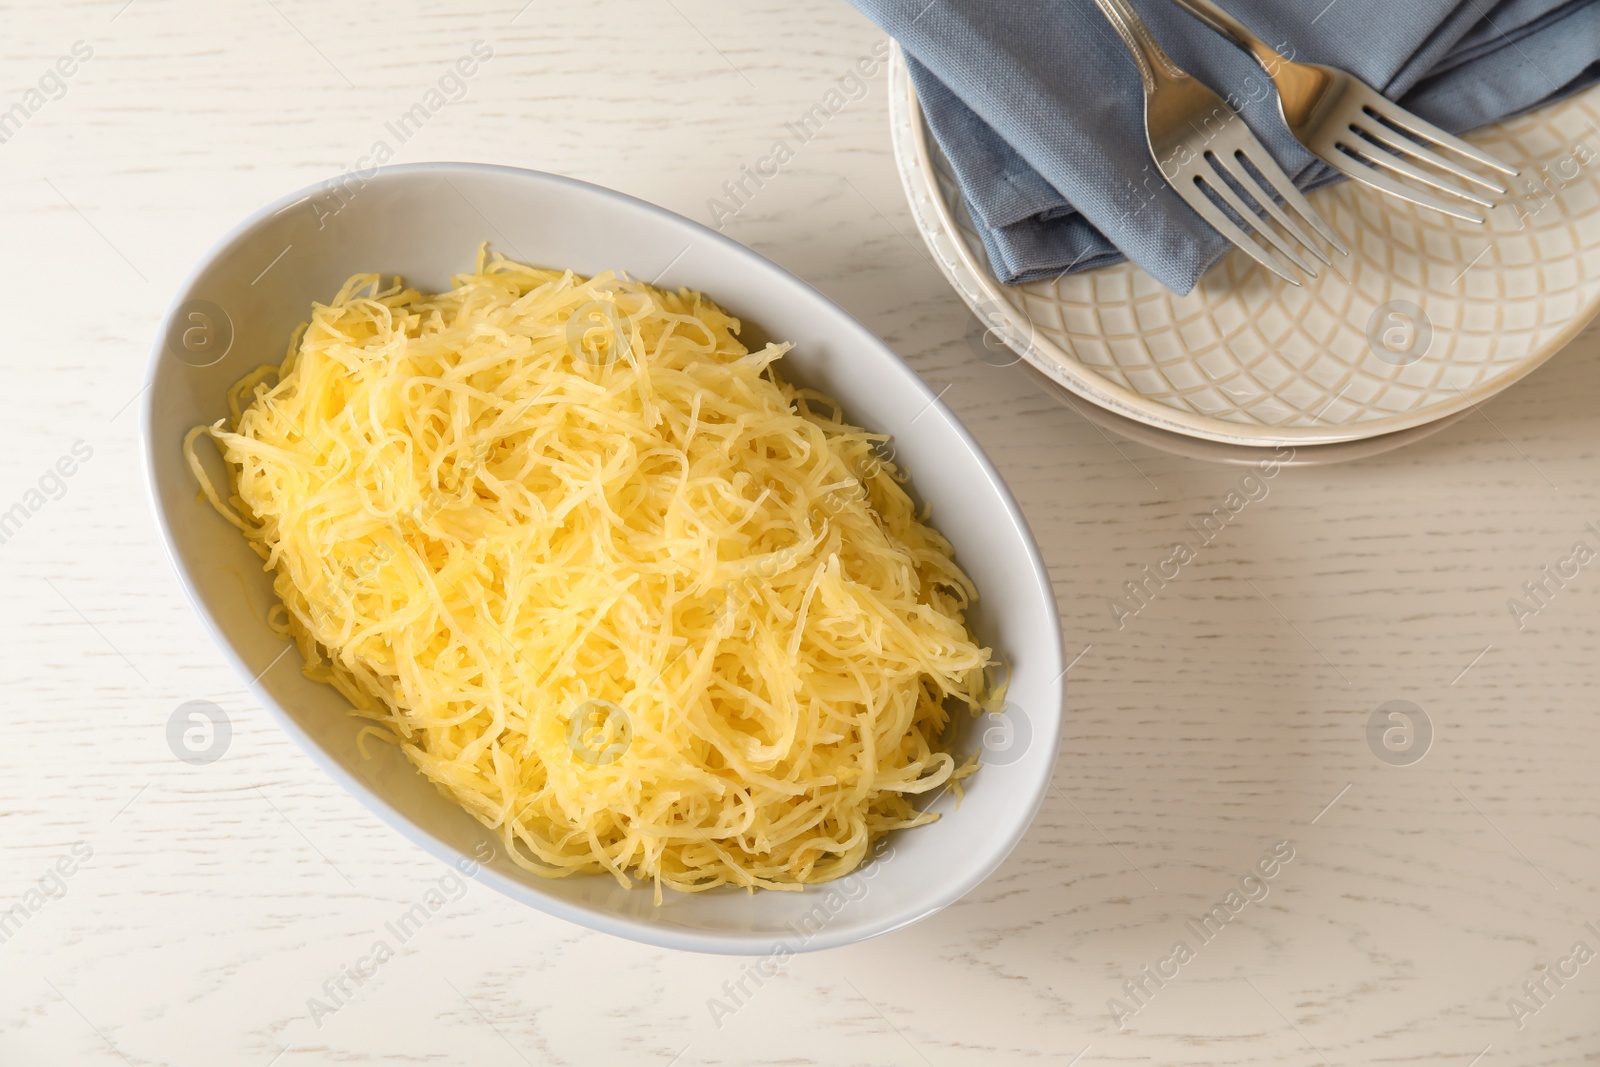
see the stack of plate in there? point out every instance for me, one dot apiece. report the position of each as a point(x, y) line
point(1428, 317)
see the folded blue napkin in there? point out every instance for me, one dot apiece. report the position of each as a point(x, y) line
point(1040, 109)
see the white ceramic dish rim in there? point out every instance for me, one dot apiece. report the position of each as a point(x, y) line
point(977, 288)
point(1229, 455)
point(647, 933)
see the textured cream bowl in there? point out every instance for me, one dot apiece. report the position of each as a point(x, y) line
point(1428, 317)
point(237, 310)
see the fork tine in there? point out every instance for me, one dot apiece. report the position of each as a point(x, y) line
point(1352, 167)
point(1405, 120)
point(1294, 198)
point(1251, 184)
point(1251, 217)
point(1197, 199)
point(1380, 133)
point(1383, 158)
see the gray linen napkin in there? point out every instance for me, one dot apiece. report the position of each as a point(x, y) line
point(1039, 107)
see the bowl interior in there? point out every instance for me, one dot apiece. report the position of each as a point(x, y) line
point(425, 221)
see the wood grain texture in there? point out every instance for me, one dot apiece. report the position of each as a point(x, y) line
point(1228, 715)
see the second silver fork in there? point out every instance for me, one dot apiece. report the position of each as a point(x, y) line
point(1203, 148)
point(1360, 133)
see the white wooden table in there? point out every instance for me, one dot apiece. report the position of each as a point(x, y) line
point(206, 905)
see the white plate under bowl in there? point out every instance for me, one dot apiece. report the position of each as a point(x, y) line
point(1247, 359)
point(424, 221)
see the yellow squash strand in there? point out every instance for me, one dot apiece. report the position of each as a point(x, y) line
point(631, 600)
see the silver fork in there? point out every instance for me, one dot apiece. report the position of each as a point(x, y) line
point(1352, 128)
point(1199, 143)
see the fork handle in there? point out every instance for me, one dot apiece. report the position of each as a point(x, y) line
point(1152, 59)
point(1212, 15)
